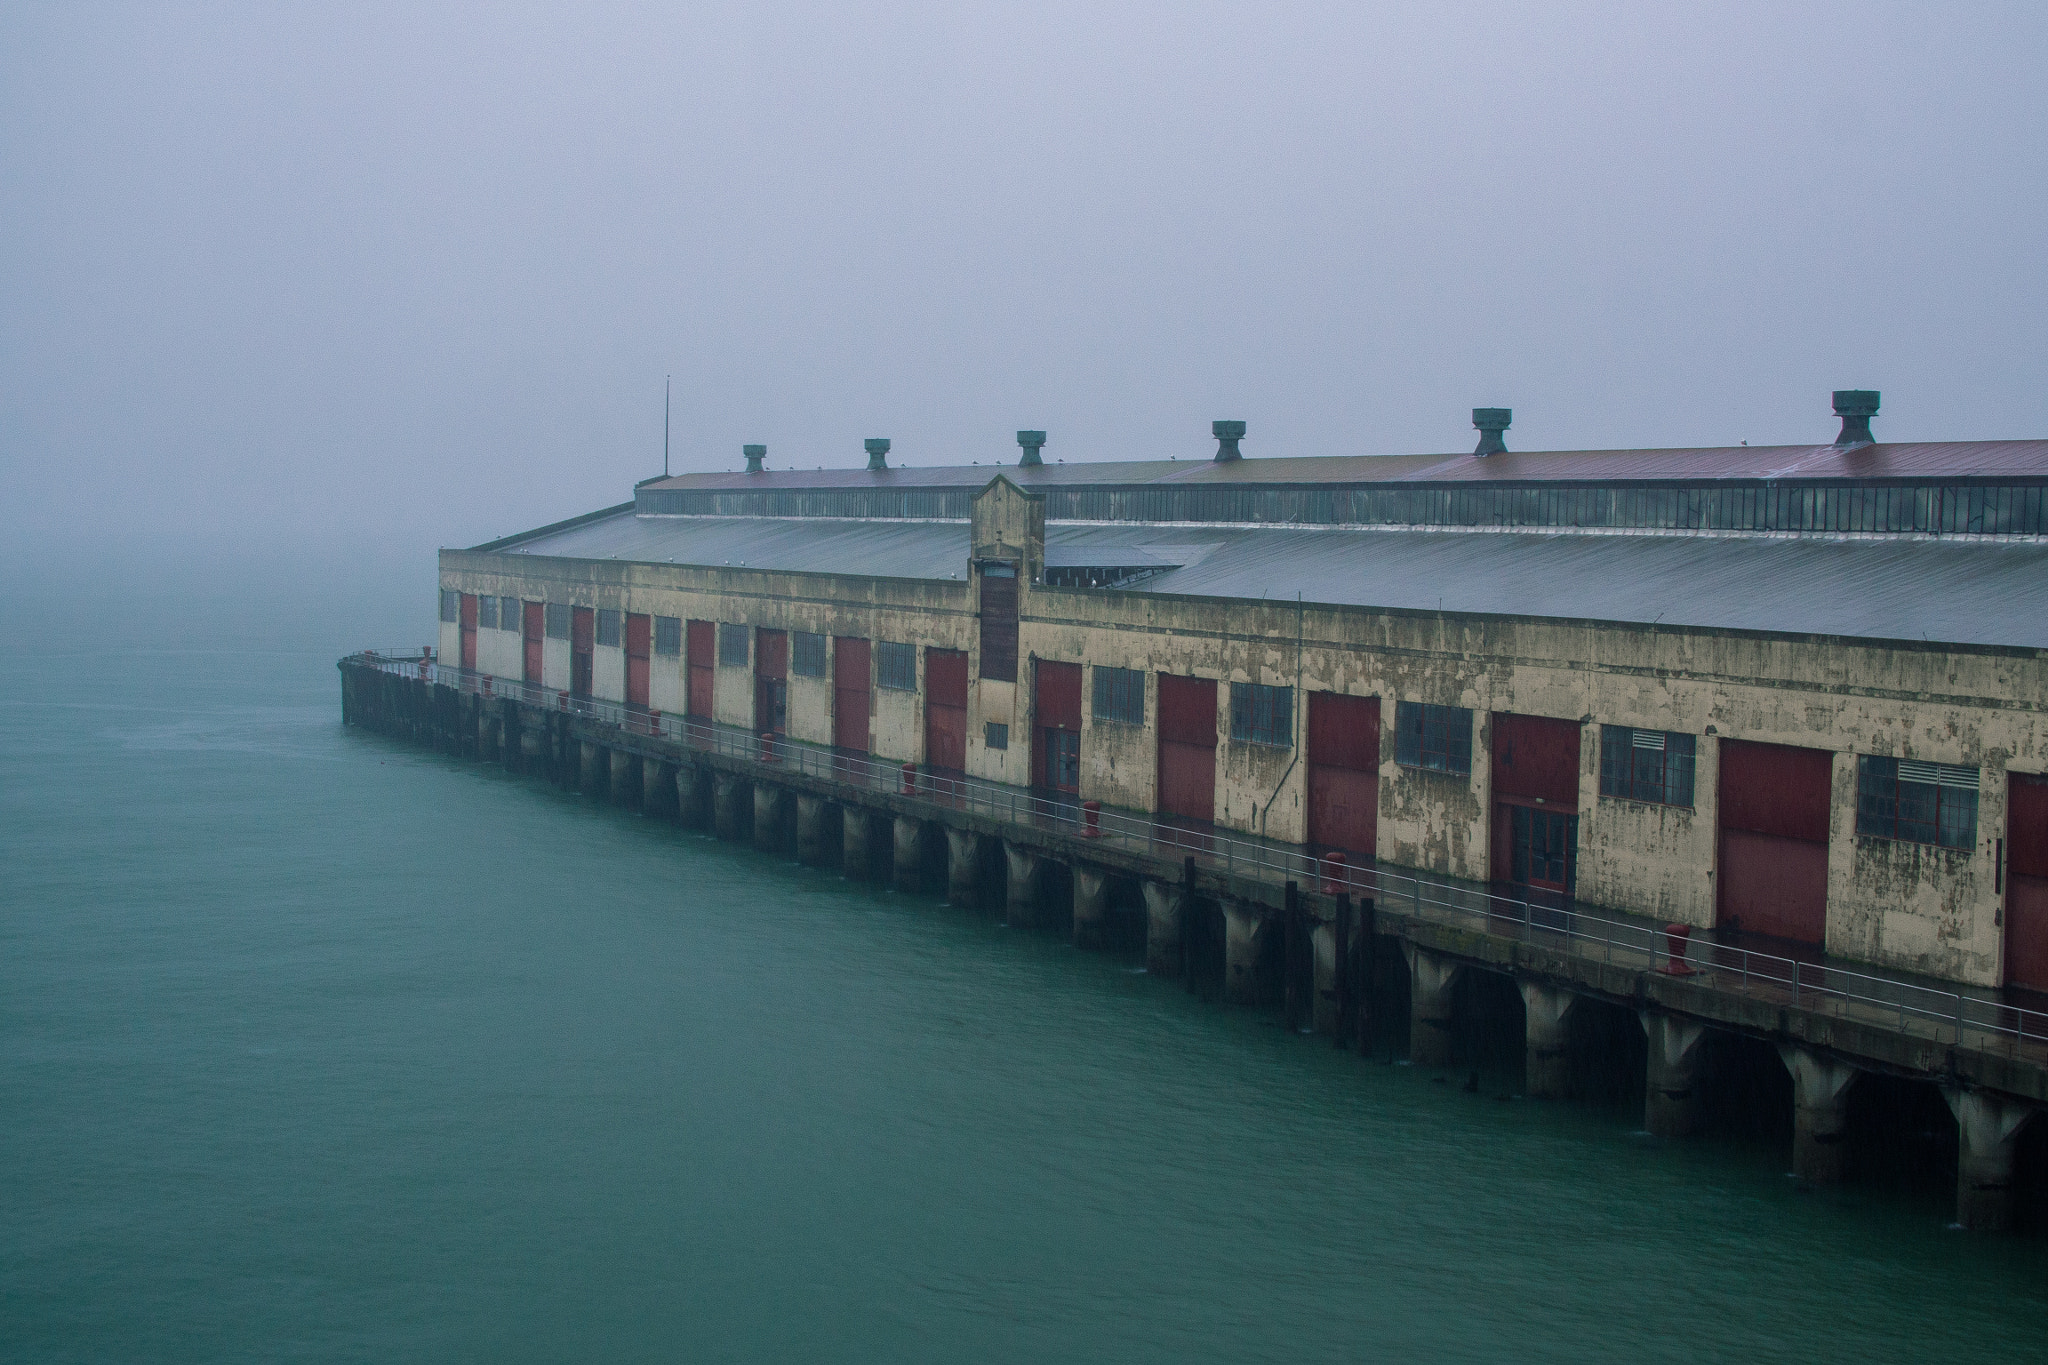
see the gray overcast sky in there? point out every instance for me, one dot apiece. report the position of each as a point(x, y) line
point(296, 276)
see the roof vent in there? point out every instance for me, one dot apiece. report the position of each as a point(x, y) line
point(754, 454)
point(1491, 423)
point(878, 452)
point(1227, 435)
point(1033, 442)
point(1855, 407)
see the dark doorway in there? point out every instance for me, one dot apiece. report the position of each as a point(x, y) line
point(1187, 747)
point(2026, 881)
point(639, 648)
point(1056, 726)
point(1773, 872)
point(468, 620)
point(852, 676)
point(1344, 773)
point(771, 682)
point(945, 709)
point(1535, 802)
point(582, 649)
point(532, 630)
point(702, 647)
point(998, 621)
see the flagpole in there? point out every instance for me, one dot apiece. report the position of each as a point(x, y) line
point(664, 426)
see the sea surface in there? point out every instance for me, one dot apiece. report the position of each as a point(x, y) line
point(317, 1047)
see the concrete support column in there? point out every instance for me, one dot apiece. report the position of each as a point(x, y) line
point(855, 830)
point(1323, 946)
point(1022, 902)
point(963, 867)
point(657, 786)
point(1241, 953)
point(486, 730)
point(768, 805)
point(1987, 1126)
point(1430, 980)
point(1546, 1011)
point(592, 769)
point(1671, 1103)
point(692, 809)
point(1091, 905)
point(728, 817)
point(813, 843)
point(909, 853)
point(1820, 1112)
point(625, 783)
point(1163, 905)
point(532, 746)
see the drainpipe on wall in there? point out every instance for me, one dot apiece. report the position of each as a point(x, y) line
point(1300, 714)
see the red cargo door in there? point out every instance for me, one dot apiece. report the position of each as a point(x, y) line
point(532, 630)
point(1187, 747)
point(771, 682)
point(852, 677)
point(703, 654)
point(582, 649)
point(1344, 773)
point(1773, 873)
point(1056, 726)
point(639, 647)
point(945, 708)
point(468, 618)
point(1535, 801)
point(2026, 882)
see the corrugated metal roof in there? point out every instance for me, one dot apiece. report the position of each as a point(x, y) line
point(1901, 460)
point(1993, 594)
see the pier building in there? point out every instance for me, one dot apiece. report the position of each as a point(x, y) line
point(1614, 727)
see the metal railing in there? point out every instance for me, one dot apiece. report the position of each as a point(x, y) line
point(1533, 916)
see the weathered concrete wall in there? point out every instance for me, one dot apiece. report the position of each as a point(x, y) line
point(608, 672)
point(1924, 909)
point(500, 653)
point(810, 706)
point(665, 684)
point(448, 642)
point(554, 664)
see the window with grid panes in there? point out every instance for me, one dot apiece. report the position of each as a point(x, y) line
point(1918, 803)
point(1262, 715)
point(996, 735)
point(556, 618)
point(896, 666)
point(1120, 695)
point(732, 645)
point(486, 613)
point(608, 627)
point(509, 615)
point(451, 605)
point(668, 635)
point(1646, 765)
point(1433, 738)
point(807, 653)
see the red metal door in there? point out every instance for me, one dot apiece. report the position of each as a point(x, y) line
point(1344, 773)
point(582, 649)
point(945, 708)
point(468, 619)
point(852, 676)
point(2026, 882)
point(532, 630)
point(1773, 872)
point(639, 648)
point(1187, 747)
point(1535, 768)
point(1056, 726)
point(703, 652)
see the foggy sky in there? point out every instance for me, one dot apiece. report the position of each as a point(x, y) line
point(282, 279)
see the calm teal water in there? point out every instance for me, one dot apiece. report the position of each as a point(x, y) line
point(315, 1047)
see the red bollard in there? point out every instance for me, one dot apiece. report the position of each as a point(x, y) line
point(1091, 819)
point(767, 746)
point(1333, 873)
point(487, 684)
point(1677, 938)
point(562, 700)
point(910, 779)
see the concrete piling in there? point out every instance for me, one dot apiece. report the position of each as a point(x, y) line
point(1546, 1012)
point(1820, 1112)
point(909, 851)
point(624, 786)
point(1987, 1129)
point(1021, 903)
point(815, 846)
point(1241, 925)
point(592, 769)
point(732, 807)
point(855, 831)
point(769, 802)
point(1164, 906)
point(1671, 1101)
point(693, 799)
point(1431, 979)
point(1091, 905)
point(657, 786)
point(963, 868)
